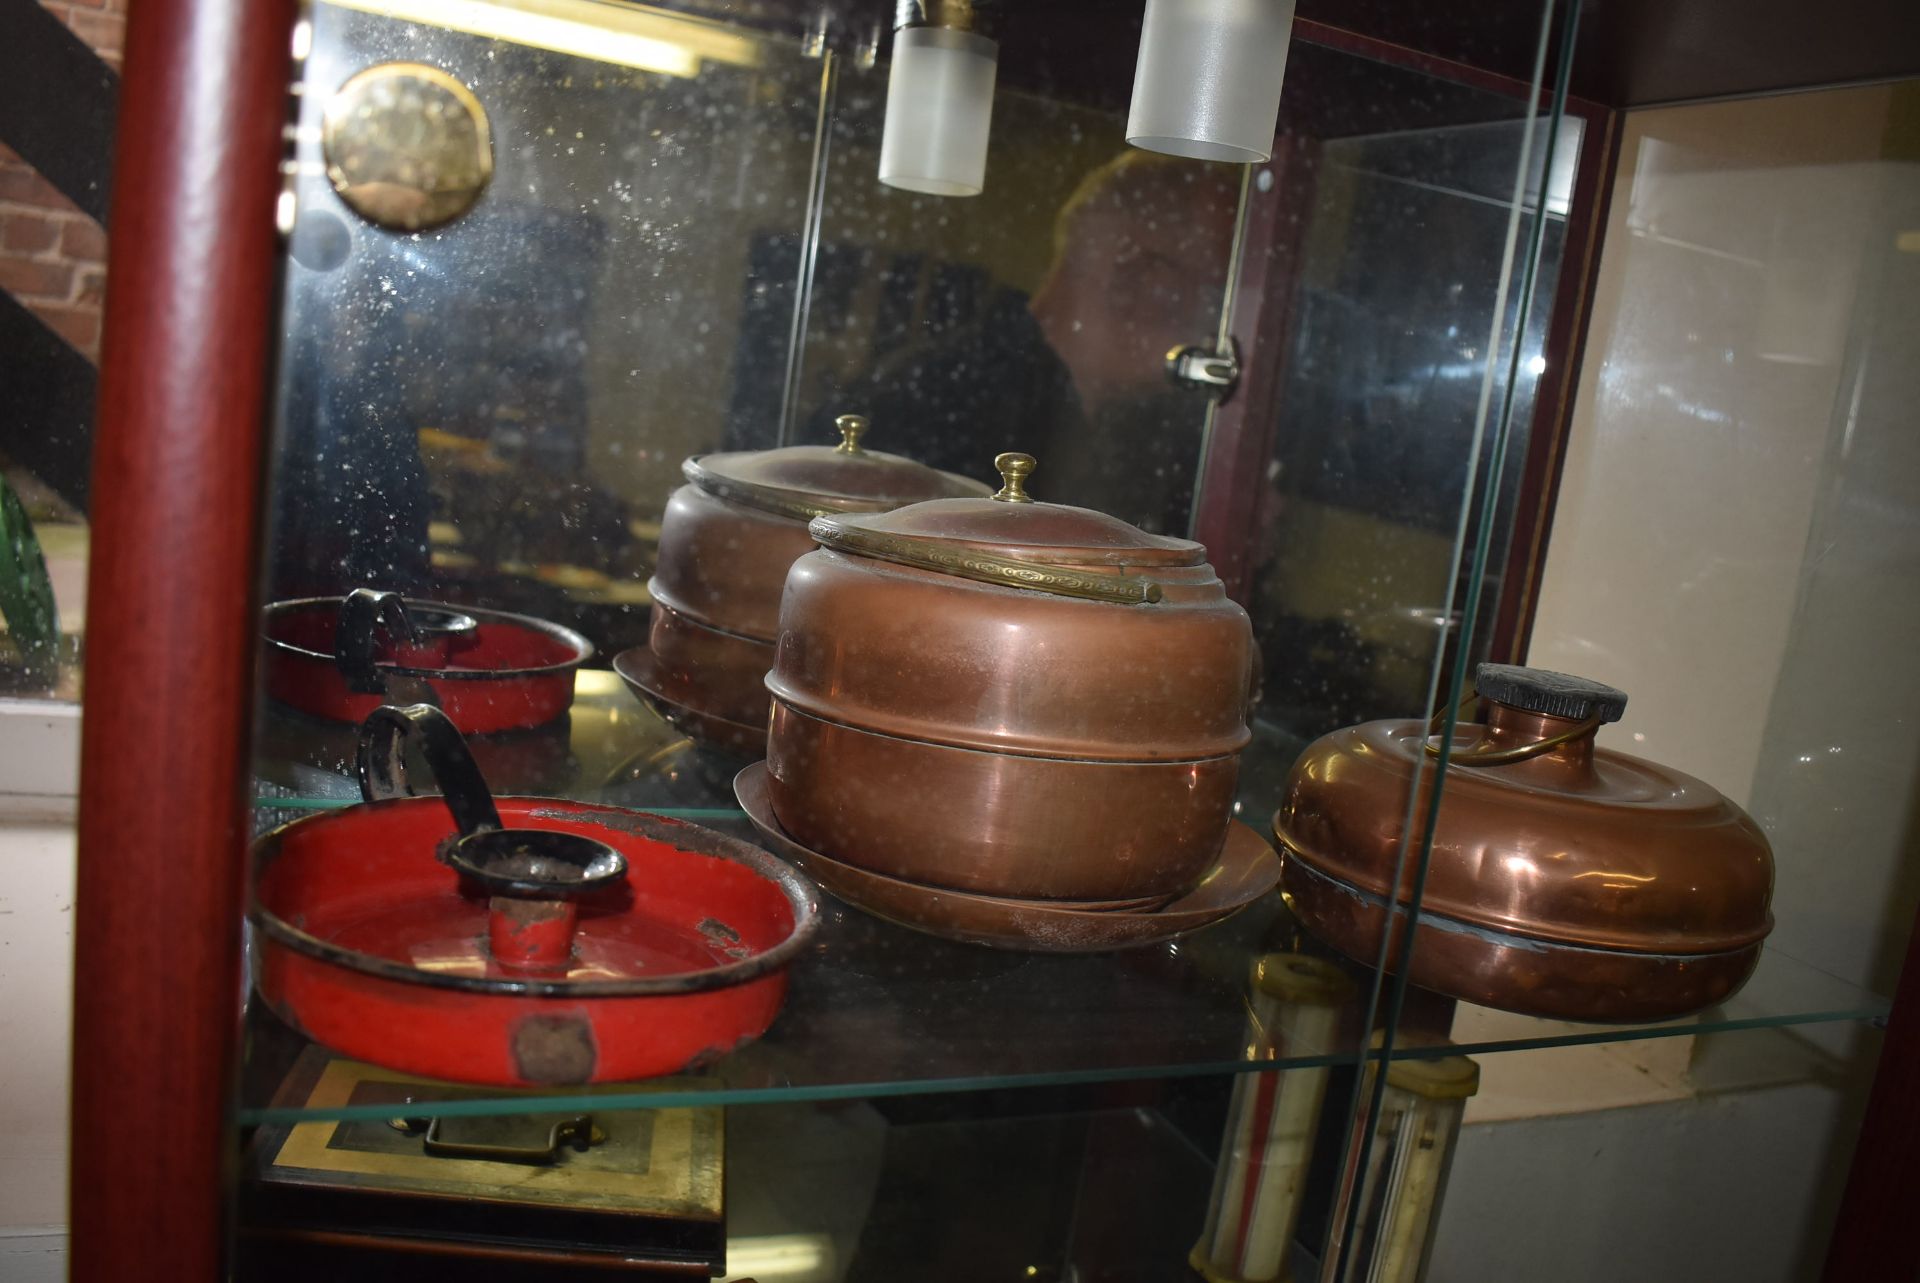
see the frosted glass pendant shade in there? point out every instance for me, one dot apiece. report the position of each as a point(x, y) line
point(1207, 84)
point(939, 106)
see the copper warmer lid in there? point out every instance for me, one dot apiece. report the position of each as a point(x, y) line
point(806, 481)
point(1540, 833)
point(1011, 540)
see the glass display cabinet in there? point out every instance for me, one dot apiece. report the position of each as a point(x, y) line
point(780, 697)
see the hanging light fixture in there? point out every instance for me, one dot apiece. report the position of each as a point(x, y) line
point(1207, 84)
point(939, 99)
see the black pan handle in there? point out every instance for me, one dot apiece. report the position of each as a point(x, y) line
point(366, 614)
point(382, 763)
point(363, 614)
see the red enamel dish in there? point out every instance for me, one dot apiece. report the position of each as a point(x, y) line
point(490, 671)
point(666, 948)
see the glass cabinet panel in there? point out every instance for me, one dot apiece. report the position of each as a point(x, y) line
point(683, 248)
point(1402, 319)
point(679, 253)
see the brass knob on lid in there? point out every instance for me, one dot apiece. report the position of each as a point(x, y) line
point(1014, 469)
point(852, 427)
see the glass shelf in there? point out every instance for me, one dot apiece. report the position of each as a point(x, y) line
point(875, 1010)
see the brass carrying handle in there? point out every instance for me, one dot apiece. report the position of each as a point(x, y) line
point(851, 427)
point(1503, 756)
point(984, 567)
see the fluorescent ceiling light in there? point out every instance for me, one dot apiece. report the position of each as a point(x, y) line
point(622, 34)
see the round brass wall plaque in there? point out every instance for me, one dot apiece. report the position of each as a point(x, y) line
point(407, 145)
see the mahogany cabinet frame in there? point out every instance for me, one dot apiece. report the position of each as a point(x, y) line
point(177, 488)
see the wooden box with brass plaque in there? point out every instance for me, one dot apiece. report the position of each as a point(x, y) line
point(1009, 698)
point(726, 541)
point(637, 1193)
point(1566, 880)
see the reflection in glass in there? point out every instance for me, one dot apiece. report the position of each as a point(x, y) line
point(1380, 394)
point(1036, 319)
point(493, 412)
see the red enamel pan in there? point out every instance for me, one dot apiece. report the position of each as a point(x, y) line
point(341, 658)
point(517, 942)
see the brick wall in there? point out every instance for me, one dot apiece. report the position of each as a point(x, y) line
point(53, 258)
point(101, 23)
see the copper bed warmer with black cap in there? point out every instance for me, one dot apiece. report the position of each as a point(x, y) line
point(1566, 880)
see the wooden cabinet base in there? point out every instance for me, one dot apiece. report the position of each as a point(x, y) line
point(327, 1256)
point(633, 1193)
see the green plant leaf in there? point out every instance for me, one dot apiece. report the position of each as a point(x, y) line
point(26, 592)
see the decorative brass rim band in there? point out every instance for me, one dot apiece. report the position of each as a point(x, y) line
point(1504, 756)
point(772, 501)
point(983, 567)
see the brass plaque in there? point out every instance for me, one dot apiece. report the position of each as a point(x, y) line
point(407, 146)
point(655, 1162)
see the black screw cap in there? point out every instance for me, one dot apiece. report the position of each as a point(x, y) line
point(1539, 690)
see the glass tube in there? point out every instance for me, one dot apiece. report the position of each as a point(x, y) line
point(1207, 83)
point(1293, 1010)
point(1412, 1142)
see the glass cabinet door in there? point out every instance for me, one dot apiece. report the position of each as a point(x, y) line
point(682, 248)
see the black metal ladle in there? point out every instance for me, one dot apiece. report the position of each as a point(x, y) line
point(535, 877)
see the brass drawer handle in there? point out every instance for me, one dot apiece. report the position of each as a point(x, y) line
point(578, 1133)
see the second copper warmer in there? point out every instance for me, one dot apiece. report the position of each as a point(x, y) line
point(726, 540)
point(1007, 697)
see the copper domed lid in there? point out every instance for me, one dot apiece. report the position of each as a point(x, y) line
point(1011, 540)
point(806, 481)
point(1540, 833)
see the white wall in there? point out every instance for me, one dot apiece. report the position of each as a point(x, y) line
point(1694, 1192)
point(36, 1000)
point(1694, 462)
point(1737, 545)
point(39, 768)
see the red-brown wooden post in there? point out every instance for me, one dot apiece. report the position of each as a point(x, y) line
point(176, 513)
point(1874, 1238)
